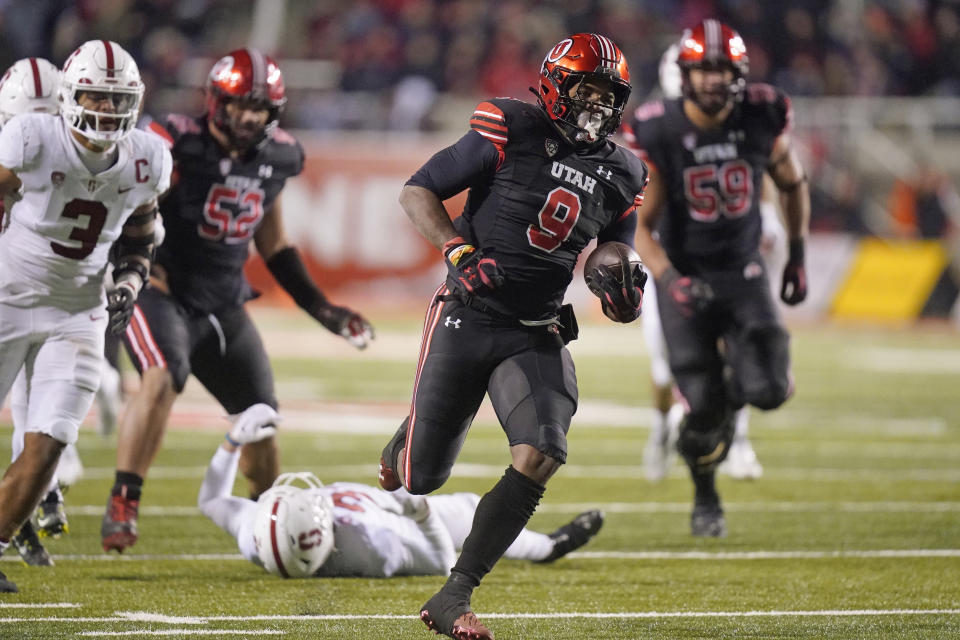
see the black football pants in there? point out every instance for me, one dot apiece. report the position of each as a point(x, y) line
point(466, 353)
point(735, 353)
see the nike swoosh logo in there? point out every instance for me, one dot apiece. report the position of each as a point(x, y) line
point(124, 190)
point(95, 318)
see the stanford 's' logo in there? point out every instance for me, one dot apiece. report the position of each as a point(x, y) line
point(310, 539)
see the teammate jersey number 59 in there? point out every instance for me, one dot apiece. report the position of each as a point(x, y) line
point(221, 224)
point(713, 191)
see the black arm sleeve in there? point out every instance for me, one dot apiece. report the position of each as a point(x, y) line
point(471, 159)
point(288, 269)
point(623, 230)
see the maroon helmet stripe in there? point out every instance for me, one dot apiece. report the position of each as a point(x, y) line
point(259, 64)
point(273, 539)
point(110, 62)
point(37, 83)
point(712, 36)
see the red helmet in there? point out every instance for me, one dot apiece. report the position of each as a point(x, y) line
point(572, 63)
point(713, 45)
point(250, 77)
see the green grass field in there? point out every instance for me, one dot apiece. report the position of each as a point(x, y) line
point(853, 531)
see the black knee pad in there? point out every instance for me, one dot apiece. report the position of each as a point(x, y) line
point(535, 395)
point(422, 484)
point(765, 382)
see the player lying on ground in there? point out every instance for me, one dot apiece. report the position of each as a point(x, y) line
point(350, 529)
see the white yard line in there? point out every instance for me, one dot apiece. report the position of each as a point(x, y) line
point(764, 555)
point(505, 616)
point(138, 633)
point(584, 555)
point(103, 557)
point(38, 605)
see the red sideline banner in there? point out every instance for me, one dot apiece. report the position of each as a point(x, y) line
point(342, 213)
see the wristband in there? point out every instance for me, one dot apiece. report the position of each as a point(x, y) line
point(456, 248)
point(796, 253)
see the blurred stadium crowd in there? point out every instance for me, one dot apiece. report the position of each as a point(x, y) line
point(411, 65)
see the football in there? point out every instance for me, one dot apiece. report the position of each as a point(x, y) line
point(612, 255)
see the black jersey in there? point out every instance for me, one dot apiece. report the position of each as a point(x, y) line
point(712, 179)
point(213, 209)
point(535, 202)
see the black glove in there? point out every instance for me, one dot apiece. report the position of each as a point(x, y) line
point(469, 266)
point(120, 302)
point(620, 298)
point(346, 323)
point(793, 289)
point(690, 294)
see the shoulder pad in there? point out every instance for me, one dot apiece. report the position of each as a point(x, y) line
point(636, 175)
point(643, 129)
point(771, 102)
point(280, 136)
point(489, 120)
point(158, 129)
point(285, 153)
point(157, 154)
point(32, 131)
point(649, 110)
point(494, 118)
point(178, 125)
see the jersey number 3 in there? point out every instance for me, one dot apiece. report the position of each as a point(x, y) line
point(220, 224)
point(86, 235)
point(557, 219)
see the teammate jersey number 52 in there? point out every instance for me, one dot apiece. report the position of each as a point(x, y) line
point(231, 214)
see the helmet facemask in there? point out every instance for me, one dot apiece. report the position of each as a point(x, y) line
point(589, 105)
point(101, 92)
point(717, 50)
point(241, 128)
point(104, 115)
point(716, 92)
point(294, 527)
point(240, 87)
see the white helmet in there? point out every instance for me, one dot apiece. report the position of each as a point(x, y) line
point(671, 77)
point(101, 66)
point(293, 532)
point(30, 85)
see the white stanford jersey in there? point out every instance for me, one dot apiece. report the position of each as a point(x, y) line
point(55, 251)
point(374, 539)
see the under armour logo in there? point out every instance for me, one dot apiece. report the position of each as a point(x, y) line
point(265, 171)
point(450, 322)
point(604, 172)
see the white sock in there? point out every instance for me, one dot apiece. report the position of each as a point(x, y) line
point(530, 545)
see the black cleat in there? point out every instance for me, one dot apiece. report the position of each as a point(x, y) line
point(6, 586)
point(574, 534)
point(707, 521)
point(30, 548)
point(445, 614)
point(387, 475)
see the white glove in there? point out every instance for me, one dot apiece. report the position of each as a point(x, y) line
point(253, 425)
point(417, 508)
